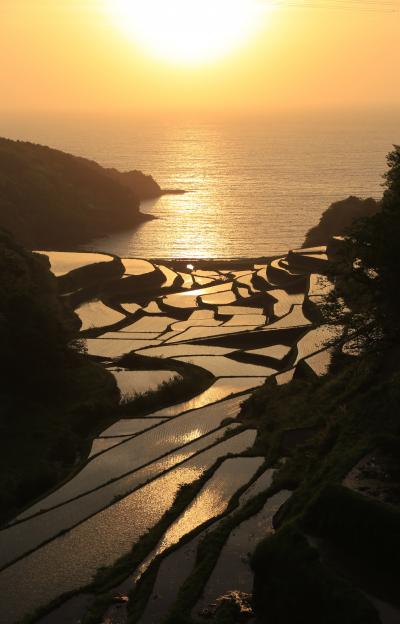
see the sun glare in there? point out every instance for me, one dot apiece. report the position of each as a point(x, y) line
point(188, 31)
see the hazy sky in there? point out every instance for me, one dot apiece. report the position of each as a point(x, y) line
point(58, 55)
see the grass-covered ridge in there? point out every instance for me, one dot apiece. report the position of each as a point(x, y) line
point(345, 415)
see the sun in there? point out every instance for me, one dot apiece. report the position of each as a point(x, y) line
point(188, 31)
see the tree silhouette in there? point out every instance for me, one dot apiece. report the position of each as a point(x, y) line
point(369, 270)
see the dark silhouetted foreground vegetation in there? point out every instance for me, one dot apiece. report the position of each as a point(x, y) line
point(353, 411)
point(51, 396)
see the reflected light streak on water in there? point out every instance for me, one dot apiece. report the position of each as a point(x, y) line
point(255, 185)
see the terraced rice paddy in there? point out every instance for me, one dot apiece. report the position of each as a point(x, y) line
point(97, 314)
point(209, 503)
point(255, 320)
point(129, 427)
point(62, 262)
point(246, 280)
point(243, 292)
point(69, 562)
point(277, 352)
point(320, 362)
point(187, 279)
point(321, 249)
point(103, 444)
point(284, 301)
point(136, 452)
point(149, 324)
point(213, 275)
point(181, 300)
point(137, 266)
point(121, 335)
point(316, 339)
point(286, 377)
point(110, 348)
point(221, 366)
point(232, 572)
point(170, 276)
point(197, 333)
point(186, 348)
point(313, 256)
point(220, 389)
point(178, 565)
point(136, 382)
point(295, 318)
point(201, 315)
point(137, 465)
point(218, 298)
point(238, 310)
point(22, 537)
point(131, 308)
point(181, 326)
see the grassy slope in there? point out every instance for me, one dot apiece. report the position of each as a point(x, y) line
point(353, 411)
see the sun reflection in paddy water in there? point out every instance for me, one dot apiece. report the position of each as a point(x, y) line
point(211, 501)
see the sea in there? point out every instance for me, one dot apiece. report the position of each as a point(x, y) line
point(254, 185)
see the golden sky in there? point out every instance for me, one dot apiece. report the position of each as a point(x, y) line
point(81, 55)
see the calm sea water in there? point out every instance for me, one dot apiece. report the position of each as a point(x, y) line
point(254, 186)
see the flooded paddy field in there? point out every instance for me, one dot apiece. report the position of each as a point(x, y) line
point(176, 567)
point(70, 561)
point(212, 317)
point(233, 572)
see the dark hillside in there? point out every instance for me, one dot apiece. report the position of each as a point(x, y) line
point(49, 198)
point(338, 538)
point(51, 396)
point(144, 186)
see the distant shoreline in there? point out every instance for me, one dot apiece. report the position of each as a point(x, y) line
point(180, 263)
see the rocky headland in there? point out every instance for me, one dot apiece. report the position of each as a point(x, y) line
point(50, 199)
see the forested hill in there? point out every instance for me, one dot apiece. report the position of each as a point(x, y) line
point(51, 395)
point(52, 199)
point(339, 217)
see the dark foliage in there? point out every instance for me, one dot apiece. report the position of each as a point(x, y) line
point(367, 295)
point(366, 528)
point(35, 327)
point(296, 587)
point(51, 397)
